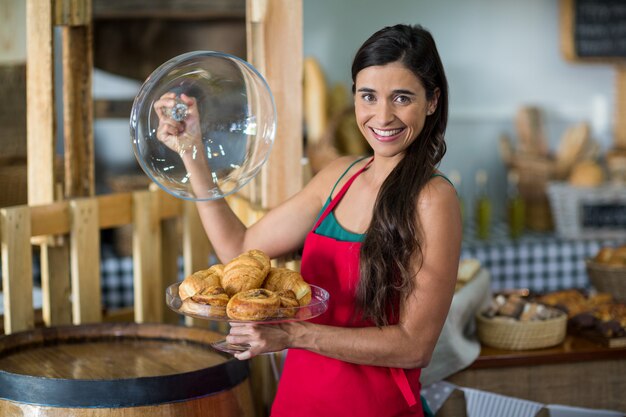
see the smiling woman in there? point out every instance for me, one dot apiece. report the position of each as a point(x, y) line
point(380, 234)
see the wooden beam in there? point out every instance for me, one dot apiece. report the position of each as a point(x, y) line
point(85, 262)
point(17, 270)
point(72, 12)
point(40, 105)
point(78, 111)
point(170, 9)
point(274, 30)
point(55, 285)
point(147, 272)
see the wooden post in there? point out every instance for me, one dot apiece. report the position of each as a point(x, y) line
point(16, 263)
point(76, 32)
point(40, 105)
point(74, 18)
point(147, 274)
point(85, 261)
point(274, 40)
point(44, 186)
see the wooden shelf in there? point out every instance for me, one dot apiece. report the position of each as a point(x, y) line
point(169, 9)
point(573, 349)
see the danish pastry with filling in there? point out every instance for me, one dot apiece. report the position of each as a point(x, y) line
point(214, 296)
point(254, 304)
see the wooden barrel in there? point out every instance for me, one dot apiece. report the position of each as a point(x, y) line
point(120, 369)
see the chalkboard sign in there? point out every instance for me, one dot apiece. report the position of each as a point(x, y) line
point(594, 29)
point(604, 216)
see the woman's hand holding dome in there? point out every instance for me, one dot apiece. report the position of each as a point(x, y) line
point(180, 136)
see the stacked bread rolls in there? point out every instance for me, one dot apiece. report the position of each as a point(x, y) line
point(247, 288)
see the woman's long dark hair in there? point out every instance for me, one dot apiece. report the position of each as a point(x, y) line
point(393, 238)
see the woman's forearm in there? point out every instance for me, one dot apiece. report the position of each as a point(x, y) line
point(388, 346)
point(222, 226)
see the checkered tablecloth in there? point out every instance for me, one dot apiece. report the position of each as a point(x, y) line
point(540, 262)
point(117, 279)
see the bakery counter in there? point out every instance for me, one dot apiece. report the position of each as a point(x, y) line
point(573, 349)
point(578, 372)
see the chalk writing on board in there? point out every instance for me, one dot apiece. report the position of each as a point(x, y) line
point(604, 215)
point(600, 28)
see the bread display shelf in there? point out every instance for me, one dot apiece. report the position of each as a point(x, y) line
point(609, 342)
point(317, 306)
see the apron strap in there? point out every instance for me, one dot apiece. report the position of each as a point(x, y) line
point(402, 382)
point(333, 203)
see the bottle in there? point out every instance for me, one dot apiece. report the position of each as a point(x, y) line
point(515, 206)
point(483, 206)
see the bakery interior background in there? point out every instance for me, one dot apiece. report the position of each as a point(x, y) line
point(499, 56)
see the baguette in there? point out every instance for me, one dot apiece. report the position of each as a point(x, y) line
point(315, 100)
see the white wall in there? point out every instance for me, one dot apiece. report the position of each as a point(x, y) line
point(498, 55)
point(12, 31)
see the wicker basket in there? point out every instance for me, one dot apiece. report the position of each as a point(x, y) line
point(588, 212)
point(608, 278)
point(512, 334)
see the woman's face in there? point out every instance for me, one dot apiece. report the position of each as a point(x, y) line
point(391, 107)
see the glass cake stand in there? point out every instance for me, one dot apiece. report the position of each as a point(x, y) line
point(317, 306)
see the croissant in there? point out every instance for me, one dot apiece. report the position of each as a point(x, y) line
point(200, 280)
point(286, 279)
point(288, 303)
point(212, 295)
point(246, 271)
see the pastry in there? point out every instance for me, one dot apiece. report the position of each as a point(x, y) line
point(287, 279)
point(513, 307)
point(200, 280)
point(215, 297)
point(245, 272)
point(586, 174)
point(288, 303)
point(619, 256)
point(253, 304)
point(468, 268)
point(604, 255)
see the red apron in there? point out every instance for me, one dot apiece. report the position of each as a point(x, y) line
point(313, 385)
